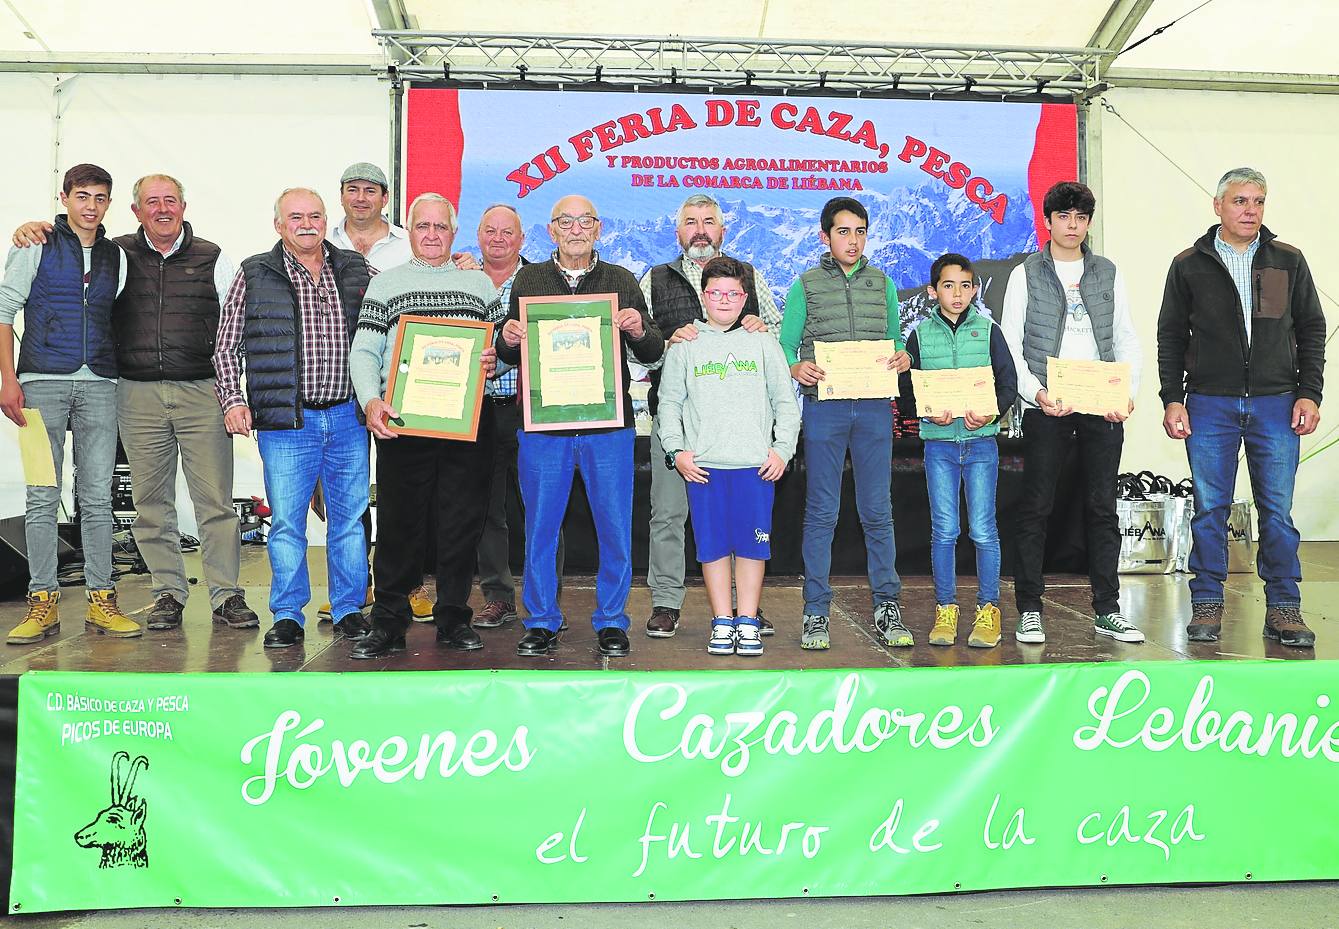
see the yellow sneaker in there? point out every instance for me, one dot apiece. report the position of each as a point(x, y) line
point(106, 618)
point(325, 615)
point(42, 619)
point(986, 627)
point(420, 604)
point(945, 631)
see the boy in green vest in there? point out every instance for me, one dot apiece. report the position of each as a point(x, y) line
point(961, 451)
point(845, 299)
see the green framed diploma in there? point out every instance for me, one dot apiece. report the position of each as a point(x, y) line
point(436, 383)
point(572, 360)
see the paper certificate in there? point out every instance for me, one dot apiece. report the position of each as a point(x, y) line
point(571, 361)
point(438, 376)
point(39, 468)
point(1097, 387)
point(856, 370)
point(956, 390)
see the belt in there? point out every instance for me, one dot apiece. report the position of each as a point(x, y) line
point(323, 404)
point(505, 400)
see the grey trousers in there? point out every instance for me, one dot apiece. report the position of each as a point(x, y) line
point(87, 408)
point(669, 513)
point(494, 555)
point(158, 421)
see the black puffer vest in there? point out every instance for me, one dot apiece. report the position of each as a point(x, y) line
point(167, 317)
point(272, 331)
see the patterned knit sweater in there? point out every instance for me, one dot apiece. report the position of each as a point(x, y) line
point(413, 289)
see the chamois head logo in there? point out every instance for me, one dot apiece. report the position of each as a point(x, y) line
point(119, 828)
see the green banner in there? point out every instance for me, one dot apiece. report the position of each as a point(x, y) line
point(475, 787)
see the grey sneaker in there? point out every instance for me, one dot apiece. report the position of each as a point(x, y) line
point(1117, 627)
point(1029, 628)
point(815, 633)
point(888, 622)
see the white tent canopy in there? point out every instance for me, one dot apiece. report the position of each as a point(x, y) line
point(243, 99)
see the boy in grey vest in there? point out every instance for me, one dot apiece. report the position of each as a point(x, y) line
point(845, 299)
point(1066, 302)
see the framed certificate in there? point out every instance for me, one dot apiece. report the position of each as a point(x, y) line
point(436, 383)
point(572, 361)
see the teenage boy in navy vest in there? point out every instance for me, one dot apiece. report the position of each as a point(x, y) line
point(844, 299)
point(67, 372)
point(1064, 301)
point(962, 451)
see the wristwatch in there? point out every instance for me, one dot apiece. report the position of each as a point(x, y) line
point(669, 458)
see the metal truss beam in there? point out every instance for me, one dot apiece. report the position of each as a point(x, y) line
point(551, 60)
point(1121, 19)
point(356, 65)
point(1248, 81)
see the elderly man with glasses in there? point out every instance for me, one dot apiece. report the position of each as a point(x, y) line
point(602, 455)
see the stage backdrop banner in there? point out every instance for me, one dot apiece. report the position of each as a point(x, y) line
point(478, 787)
point(936, 176)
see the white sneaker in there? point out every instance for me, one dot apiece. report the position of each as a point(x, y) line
point(722, 641)
point(1029, 628)
point(748, 637)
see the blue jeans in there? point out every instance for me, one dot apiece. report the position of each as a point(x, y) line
point(1218, 427)
point(831, 428)
point(331, 445)
point(974, 466)
point(88, 409)
point(546, 464)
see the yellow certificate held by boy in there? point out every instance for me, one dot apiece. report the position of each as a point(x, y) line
point(1096, 387)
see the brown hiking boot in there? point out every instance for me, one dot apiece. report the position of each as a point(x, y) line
point(663, 623)
point(165, 613)
point(1284, 624)
point(235, 613)
point(495, 613)
point(105, 616)
point(1206, 622)
point(42, 619)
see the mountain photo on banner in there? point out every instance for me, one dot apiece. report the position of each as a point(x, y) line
point(935, 176)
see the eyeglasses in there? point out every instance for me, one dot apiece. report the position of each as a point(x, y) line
point(729, 296)
point(585, 221)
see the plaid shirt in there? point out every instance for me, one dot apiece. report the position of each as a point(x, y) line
point(504, 385)
point(325, 339)
point(1239, 266)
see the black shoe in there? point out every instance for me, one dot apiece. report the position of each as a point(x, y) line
point(613, 642)
point(378, 643)
point(353, 627)
point(165, 614)
point(282, 634)
point(562, 627)
point(764, 623)
point(236, 614)
point(537, 642)
point(460, 637)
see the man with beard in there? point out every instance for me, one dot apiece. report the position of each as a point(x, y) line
point(674, 293)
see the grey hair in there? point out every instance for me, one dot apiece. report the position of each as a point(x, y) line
point(1241, 176)
point(431, 197)
point(134, 191)
point(700, 200)
point(279, 200)
point(502, 206)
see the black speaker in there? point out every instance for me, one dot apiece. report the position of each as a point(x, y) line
point(14, 552)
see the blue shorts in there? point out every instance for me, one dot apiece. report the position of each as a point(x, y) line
point(732, 514)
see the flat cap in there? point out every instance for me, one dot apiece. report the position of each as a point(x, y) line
point(364, 171)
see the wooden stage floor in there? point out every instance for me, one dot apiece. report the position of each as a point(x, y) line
point(1158, 605)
